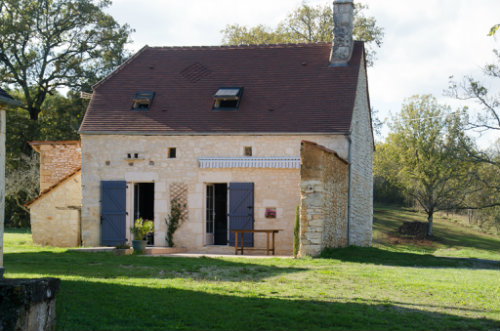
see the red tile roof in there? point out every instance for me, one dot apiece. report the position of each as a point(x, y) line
point(287, 89)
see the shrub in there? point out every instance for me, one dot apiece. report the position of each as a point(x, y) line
point(141, 228)
point(296, 230)
point(174, 219)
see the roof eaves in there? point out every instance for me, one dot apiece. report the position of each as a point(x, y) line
point(53, 187)
point(224, 133)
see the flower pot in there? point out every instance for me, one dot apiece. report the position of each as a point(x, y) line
point(139, 245)
point(123, 251)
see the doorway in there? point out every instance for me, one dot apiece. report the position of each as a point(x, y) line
point(144, 202)
point(216, 214)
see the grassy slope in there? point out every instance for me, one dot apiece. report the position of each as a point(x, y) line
point(397, 286)
point(452, 239)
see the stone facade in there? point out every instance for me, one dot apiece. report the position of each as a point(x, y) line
point(55, 216)
point(105, 157)
point(361, 176)
point(57, 160)
point(324, 199)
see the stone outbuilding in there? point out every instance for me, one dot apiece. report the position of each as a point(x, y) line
point(241, 135)
point(55, 213)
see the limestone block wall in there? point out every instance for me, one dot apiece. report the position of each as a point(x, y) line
point(324, 198)
point(104, 157)
point(58, 159)
point(55, 216)
point(361, 195)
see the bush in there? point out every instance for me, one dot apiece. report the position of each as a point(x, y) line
point(296, 233)
point(141, 228)
point(174, 219)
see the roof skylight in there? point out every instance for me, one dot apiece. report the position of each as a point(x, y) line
point(227, 98)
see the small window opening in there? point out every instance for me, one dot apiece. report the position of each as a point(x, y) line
point(172, 153)
point(136, 155)
point(247, 151)
point(143, 100)
point(227, 98)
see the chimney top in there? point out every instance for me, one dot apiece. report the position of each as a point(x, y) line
point(343, 11)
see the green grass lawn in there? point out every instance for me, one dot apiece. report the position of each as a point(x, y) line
point(398, 284)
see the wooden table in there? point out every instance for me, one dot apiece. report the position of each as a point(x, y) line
point(242, 232)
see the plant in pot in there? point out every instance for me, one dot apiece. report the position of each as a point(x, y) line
point(122, 249)
point(140, 229)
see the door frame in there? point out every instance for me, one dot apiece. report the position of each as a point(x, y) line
point(205, 237)
point(130, 217)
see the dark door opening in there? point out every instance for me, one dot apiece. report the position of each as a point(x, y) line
point(144, 202)
point(220, 217)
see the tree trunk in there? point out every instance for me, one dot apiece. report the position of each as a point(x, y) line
point(429, 227)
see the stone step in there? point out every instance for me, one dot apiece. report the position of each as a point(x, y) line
point(164, 250)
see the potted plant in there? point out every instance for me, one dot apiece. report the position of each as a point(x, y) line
point(123, 249)
point(140, 229)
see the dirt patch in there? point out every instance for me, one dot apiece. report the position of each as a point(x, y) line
point(415, 229)
point(395, 239)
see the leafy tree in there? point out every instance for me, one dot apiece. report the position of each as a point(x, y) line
point(50, 44)
point(307, 24)
point(421, 155)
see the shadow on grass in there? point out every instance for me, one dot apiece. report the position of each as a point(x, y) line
point(379, 256)
point(106, 265)
point(85, 305)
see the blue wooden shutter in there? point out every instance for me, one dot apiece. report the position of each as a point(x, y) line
point(113, 212)
point(241, 211)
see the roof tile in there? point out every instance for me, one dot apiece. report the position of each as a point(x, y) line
point(288, 88)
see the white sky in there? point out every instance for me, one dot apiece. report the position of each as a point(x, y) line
point(426, 41)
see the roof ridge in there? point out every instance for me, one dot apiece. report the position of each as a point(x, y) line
point(213, 47)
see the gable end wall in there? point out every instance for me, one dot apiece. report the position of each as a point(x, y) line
point(361, 185)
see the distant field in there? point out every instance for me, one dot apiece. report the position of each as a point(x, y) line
point(399, 284)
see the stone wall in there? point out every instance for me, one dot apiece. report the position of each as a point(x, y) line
point(55, 216)
point(323, 200)
point(361, 181)
point(58, 159)
point(104, 157)
point(28, 304)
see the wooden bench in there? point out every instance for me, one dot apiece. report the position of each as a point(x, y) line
point(241, 248)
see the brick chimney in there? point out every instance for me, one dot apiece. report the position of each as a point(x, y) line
point(342, 46)
point(58, 159)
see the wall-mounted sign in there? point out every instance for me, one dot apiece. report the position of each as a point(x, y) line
point(270, 212)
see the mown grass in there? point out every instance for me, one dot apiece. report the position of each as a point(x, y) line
point(396, 286)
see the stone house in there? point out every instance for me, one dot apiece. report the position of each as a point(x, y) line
point(241, 135)
point(55, 213)
point(5, 101)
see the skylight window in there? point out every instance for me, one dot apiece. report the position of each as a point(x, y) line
point(143, 100)
point(227, 98)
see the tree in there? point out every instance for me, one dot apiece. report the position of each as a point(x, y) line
point(49, 44)
point(484, 116)
point(307, 24)
point(424, 158)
